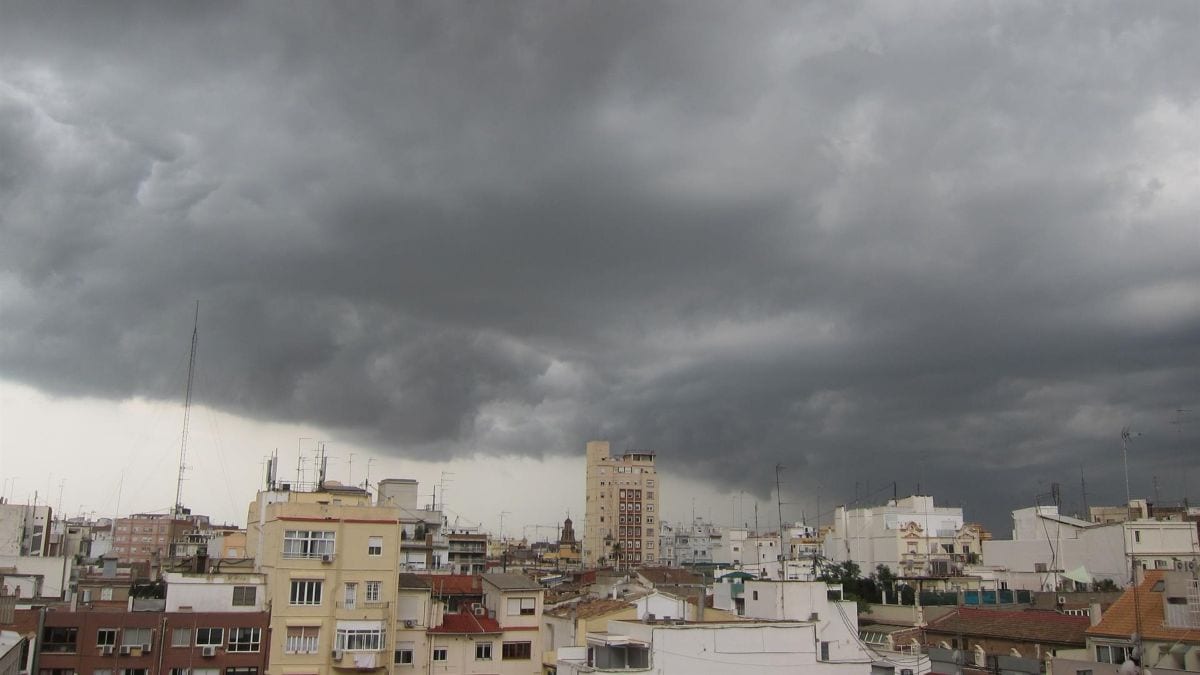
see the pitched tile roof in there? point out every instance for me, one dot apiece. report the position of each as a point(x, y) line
point(512, 582)
point(590, 608)
point(412, 581)
point(670, 575)
point(1121, 620)
point(1034, 625)
point(453, 584)
point(466, 623)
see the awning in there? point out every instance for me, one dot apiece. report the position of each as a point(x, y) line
point(1079, 574)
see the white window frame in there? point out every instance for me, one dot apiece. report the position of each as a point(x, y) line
point(307, 642)
point(522, 606)
point(306, 592)
point(483, 651)
point(441, 654)
point(359, 639)
point(181, 637)
point(207, 639)
point(374, 546)
point(244, 640)
point(309, 543)
point(372, 591)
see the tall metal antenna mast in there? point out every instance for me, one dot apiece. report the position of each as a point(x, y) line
point(187, 414)
point(779, 505)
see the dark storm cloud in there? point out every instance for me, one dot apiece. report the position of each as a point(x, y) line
point(951, 246)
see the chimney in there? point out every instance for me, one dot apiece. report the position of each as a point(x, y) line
point(1094, 613)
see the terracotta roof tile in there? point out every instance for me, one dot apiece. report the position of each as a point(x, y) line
point(590, 609)
point(1034, 625)
point(467, 623)
point(453, 584)
point(1120, 620)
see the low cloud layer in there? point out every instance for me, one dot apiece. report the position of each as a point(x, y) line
point(954, 246)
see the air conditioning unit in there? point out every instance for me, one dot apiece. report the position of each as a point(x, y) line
point(409, 623)
point(1062, 599)
point(479, 610)
point(208, 651)
point(125, 649)
point(146, 649)
point(106, 650)
point(326, 558)
point(337, 655)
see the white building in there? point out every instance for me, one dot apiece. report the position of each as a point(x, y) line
point(24, 530)
point(912, 536)
point(235, 592)
point(1050, 551)
point(710, 648)
point(687, 545)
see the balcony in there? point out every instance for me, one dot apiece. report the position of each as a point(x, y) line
point(346, 660)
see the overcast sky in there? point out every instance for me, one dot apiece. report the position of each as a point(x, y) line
point(953, 245)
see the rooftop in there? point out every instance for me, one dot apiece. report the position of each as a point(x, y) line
point(466, 623)
point(1034, 625)
point(511, 582)
point(412, 581)
point(670, 576)
point(1121, 619)
point(590, 609)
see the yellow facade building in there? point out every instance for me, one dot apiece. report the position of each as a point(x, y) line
point(622, 498)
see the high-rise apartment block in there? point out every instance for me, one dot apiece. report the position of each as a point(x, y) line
point(621, 521)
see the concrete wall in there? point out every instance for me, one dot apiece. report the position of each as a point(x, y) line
point(55, 571)
point(203, 593)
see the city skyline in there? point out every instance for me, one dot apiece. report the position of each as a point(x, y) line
point(948, 246)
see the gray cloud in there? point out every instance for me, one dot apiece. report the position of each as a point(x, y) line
point(954, 246)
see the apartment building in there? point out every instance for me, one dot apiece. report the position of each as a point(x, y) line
point(330, 555)
point(499, 634)
point(201, 625)
point(912, 536)
point(622, 497)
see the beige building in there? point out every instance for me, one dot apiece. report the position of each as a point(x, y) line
point(330, 557)
point(498, 636)
point(622, 498)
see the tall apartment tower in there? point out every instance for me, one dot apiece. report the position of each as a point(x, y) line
point(621, 519)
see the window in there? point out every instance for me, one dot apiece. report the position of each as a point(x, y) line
point(517, 650)
point(1112, 653)
point(302, 639)
point(439, 654)
point(404, 654)
point(522, 606)
point(59, 640)
point(244, 639)
point(134, 671)
point(307, 543)
point(243, 596)
point(1160, 564)
point(179, 671)
point(210, 637)
point(1084, 672)
point(373, 588)
point(1137, 536)
point(306, 592)
point(241, 671)
point(483, 651)
point(824, 650)
point(1040, 567)
point(755, 595)
point(104, 671)
point(135, 636)
point(106, 636)
point(359, 639)
point(181, 637)
point(374, 545)
point(351, 595)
